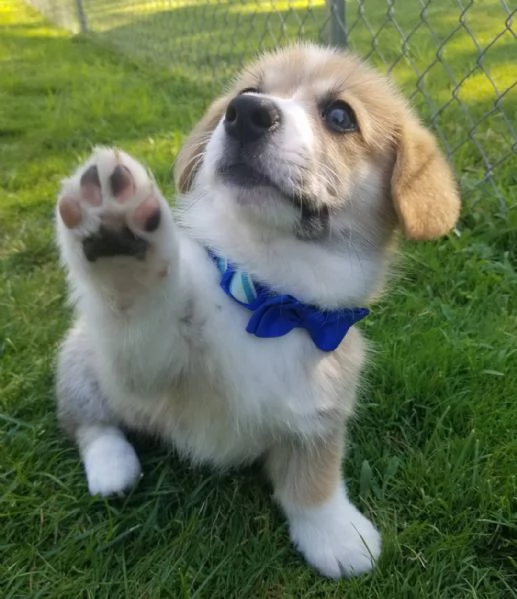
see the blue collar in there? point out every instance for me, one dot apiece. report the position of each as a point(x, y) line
point(275, 315)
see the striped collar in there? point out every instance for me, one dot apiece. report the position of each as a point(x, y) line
point(276, 315)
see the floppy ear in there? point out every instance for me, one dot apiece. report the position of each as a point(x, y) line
point(423, 187)
point(190, 156)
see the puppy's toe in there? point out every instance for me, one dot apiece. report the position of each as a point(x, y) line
point(122, 183)
point(84, 190)
point(90, 186)
point(70, 211)
point(147, 215)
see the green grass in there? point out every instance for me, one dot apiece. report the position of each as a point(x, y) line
point(433, 450)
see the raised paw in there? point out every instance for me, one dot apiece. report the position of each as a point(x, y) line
point(111, 206)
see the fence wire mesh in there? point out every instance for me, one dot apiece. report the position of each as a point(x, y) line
point(457, 60)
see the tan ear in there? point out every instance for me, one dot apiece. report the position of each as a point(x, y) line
point(423, 187)
point(190, 156)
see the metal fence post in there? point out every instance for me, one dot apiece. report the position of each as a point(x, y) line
point(338, 32)
point(81, 15)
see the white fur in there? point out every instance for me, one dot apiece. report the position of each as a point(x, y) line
point(110, 462)
point(334, 536)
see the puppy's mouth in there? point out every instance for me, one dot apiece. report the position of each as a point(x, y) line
point(245, 176)
point(254, 185)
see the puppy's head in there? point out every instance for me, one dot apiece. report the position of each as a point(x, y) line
point(310, 140)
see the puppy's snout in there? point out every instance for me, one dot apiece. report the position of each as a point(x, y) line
point(250, 117)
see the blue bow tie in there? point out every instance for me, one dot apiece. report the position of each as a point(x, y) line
point(275, 315)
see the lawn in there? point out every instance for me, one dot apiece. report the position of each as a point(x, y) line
point(433, 455)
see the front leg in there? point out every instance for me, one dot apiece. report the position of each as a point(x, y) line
point(122, 251)
point(324, 525)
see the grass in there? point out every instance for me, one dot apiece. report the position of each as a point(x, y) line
point(434, 447)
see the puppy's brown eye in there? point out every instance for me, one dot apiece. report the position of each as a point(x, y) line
point(339, 117)
point(249, 90)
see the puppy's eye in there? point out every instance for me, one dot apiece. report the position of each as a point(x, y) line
point(249, 90)
point(340, 117)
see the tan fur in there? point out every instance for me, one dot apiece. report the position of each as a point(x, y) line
point(191, 153)
point(306, 474)
point(423, 188)
point(420, 190)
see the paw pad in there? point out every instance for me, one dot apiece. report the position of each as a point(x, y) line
point(112, 205)
point(91, 186)
point(122, 183)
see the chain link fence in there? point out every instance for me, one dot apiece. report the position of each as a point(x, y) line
point(456, 59)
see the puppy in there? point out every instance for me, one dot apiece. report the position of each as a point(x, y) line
point(226, 326)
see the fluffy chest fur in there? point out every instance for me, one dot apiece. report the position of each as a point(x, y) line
point(233, 393)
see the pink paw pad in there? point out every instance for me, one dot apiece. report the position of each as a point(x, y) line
point(91, 186)
point(147, 216)
point(70, 212)
point(122, 184)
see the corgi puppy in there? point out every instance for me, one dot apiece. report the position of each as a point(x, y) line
point(226, 326)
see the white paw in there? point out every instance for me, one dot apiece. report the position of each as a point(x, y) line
point(111, 464)
point(111, 206)
point(335, 537)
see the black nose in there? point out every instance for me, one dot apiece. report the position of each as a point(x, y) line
point(249, 117)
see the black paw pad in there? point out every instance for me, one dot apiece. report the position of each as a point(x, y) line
point(107, 243)
point(153, 222)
